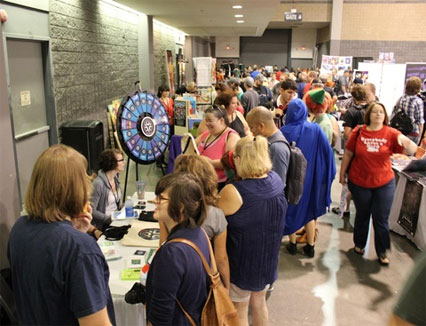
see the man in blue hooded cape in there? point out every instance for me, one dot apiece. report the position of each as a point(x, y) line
point(320, 173)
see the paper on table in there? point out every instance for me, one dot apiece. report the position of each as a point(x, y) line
point(142, 234)
point(119, 215)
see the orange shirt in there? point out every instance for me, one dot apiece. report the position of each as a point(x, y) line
point(371, 166)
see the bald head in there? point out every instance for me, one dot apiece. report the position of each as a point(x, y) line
point(261, 121)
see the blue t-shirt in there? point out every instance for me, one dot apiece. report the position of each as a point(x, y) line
point(177, 272)
point(59, 274)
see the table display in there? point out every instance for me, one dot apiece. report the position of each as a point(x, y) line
point(125, 313)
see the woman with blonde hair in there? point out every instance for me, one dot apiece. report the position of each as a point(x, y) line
point(255, 208)
point(59, 274)
point(215, 223)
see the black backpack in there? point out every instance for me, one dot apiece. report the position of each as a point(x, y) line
point(296, 173)
point(401, 120)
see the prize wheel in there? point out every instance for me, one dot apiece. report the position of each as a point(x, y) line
point(143, 127)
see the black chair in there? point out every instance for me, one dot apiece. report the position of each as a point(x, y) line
point(8, 313)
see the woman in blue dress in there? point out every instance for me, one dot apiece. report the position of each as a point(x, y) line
point(255, 208)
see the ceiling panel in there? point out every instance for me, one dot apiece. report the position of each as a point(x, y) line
point(209, 18)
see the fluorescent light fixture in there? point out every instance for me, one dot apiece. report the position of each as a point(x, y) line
point(238, 16)
point(240, 21)
point(237, 7)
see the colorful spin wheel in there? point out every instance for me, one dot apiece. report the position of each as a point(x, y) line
point(143, 127)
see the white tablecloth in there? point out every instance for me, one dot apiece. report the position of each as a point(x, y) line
point(125, 314)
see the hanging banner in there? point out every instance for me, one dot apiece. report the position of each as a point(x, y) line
point(330, 62)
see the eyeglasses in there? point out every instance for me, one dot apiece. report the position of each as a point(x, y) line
point(159, 199)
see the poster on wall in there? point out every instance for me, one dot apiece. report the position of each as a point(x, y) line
point(331, 62)
point(386, 57)
point(170, 70)
point(416, 69)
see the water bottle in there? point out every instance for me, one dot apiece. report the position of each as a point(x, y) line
point(129, 207)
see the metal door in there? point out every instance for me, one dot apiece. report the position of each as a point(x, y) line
point(27, 103)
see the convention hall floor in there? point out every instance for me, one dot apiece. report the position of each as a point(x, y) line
point(337, 286)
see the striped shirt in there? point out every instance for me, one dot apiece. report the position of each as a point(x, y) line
point(413, 107)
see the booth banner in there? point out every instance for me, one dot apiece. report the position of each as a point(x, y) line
point(330, 62)
point(417, 69)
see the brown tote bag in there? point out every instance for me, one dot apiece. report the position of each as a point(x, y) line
point(218, 309)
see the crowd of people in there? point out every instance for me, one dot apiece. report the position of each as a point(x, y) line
point(233, 190)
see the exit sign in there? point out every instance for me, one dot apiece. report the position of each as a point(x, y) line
point(293, 16)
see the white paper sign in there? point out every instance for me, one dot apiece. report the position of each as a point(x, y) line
point(25, 98)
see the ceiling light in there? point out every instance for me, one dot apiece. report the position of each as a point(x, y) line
point(238, 16)
point(240, 21)
point(237, 7)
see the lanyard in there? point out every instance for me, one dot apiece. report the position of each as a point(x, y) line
point(116, 197)
point(217, 137)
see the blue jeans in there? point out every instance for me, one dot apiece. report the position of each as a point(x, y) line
point(374, 202)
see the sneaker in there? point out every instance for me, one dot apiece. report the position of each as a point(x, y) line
point(336, 210)
point(291, 248)
point(309, 250)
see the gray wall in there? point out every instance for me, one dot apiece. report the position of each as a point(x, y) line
point(94, 55)
point(301, 63)
point(25, 23)
point(404, 51)
point(195, 47)
point(272, 48)
point(324, 49)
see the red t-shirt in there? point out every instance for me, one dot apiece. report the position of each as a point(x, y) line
point(371, 165)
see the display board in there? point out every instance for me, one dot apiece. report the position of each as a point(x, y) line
point(330, 62)
point(389, 80)
point(416, 69)
point(143, 127)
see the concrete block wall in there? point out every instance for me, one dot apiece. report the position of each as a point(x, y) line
point(165, 38)
point(94, 47)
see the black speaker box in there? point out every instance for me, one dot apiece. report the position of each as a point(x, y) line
point(87, 137)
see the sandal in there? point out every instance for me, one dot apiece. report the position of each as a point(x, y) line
point(359, 250)
point(384, 260)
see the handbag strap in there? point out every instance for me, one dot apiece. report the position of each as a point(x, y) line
point(205, 264)
point(192, 321)
point(210, 270)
